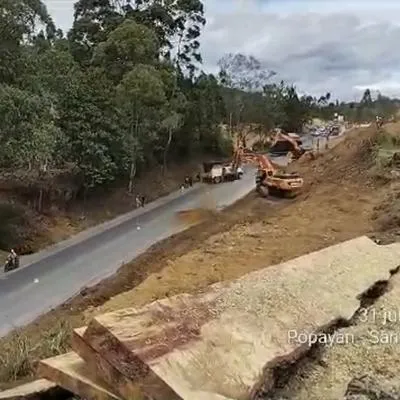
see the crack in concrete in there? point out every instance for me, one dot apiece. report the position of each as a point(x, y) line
point(279, 373)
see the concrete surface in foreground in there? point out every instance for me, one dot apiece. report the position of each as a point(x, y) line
point(226, 340)
point(34, 391)
point(71, 373)
point(58, 273)
point(371, 354)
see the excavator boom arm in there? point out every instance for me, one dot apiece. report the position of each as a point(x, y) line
point(261, 160)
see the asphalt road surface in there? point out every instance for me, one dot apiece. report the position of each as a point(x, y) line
point(49, 278)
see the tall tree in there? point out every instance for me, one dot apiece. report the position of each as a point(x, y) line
point(93, 21)
point(141, 94)
point(128, 45)
point(19, 21)
point(366, 98)
point(243, 72)
point(93, 127)
point(239, 74)
point(205, 111)
point(177, 25)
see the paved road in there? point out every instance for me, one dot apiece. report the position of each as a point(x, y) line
point(51, 277)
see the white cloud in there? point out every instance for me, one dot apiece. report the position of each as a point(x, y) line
point(339, 46)
point(312, 44)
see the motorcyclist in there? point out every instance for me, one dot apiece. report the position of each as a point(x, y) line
point(12, 261)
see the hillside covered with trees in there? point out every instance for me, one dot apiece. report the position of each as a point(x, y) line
point(123, 91)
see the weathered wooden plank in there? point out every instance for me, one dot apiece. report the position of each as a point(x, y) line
point(102, 368)
point(70, 372)
point(226, 340)
point(127, 388)
point(42, 389)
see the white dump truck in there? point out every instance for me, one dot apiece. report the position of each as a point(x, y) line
point(218, 171)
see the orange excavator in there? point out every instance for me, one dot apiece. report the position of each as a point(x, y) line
point(293, 143)
point(269, 180)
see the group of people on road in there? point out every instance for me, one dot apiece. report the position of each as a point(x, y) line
point(187, 183)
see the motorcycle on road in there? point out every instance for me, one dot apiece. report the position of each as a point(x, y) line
point(11, 264)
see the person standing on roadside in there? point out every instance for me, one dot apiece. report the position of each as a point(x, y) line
point(186, 181)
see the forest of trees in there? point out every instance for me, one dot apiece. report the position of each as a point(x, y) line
point(123, 90)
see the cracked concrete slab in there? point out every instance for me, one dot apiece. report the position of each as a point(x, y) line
point(374, 351)
point(42, 388)
point(226, 340)
point(99, 366)
point(70, 372)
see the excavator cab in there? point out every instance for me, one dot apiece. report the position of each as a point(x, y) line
point(289, 144)
point(269, 179)
point(280, 184)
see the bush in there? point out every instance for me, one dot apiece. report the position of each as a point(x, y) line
point(11, 218)
point(386, 156)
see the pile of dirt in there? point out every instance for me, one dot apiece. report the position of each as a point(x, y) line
point(387, 212)
point(351, 159)
point(195, 216)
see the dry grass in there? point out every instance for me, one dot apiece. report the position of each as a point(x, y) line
point(20, 352)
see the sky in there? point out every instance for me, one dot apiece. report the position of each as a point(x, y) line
point(339, 46)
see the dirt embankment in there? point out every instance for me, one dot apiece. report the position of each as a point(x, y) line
point(343, 199)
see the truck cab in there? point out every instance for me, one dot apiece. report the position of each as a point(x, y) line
point(212, 172)
point(219, 171)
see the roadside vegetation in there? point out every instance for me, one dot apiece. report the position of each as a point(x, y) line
point(21, 352)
